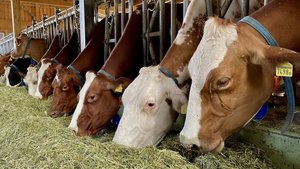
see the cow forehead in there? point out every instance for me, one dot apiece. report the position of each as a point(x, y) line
point(149, 83)
point(212, 49)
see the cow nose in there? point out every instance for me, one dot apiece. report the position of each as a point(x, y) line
point(188, 142)
point(54, 113)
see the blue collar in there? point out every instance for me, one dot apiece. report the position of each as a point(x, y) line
point(77, 73)
point(108, 75)
point(262, 112)
point(260, 29)
point(168, 74)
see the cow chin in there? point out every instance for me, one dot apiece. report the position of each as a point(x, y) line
point(214, 146)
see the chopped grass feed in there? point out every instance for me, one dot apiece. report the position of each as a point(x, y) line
point(31, 139)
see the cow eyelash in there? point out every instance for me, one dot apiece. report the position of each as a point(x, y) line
point(223, 105)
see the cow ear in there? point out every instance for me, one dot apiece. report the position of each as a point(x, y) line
point(272, 56)
point(121, 84)
point(178, 97)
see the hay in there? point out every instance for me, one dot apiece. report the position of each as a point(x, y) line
point(31, 139)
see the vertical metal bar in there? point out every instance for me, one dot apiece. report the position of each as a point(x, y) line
point(106, 45)
point(209, 9)
point(185, 6)
point(116, 21)
point(130, 7)
point(65, 30)
point(245, 8)
point(72, 24)
point(145, 31)
point(86, 8)
point(123, 6)
point(173, 19)
point(225, 7)
point(33, 23)
point(162, 29)
point(266, 2)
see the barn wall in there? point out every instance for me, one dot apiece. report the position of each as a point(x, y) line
point(29, 9)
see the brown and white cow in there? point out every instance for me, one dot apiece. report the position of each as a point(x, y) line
point(4, 60)
point(31, 77)
point(47, 70)
point(98, 101)
point(33, 47)
point(68, 81)
point(232, 73)
point(153, 98)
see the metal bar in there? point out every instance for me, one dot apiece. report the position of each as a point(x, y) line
point(225, 8)
point(72, 24)
point(130, 7)
point(266, 2)
point(65, 30)
point(145, 30)
point(162, 29)
point(173, 19)
point(106, 36)
point(185, 6)
point(116, 21)
point(123, 5)
point(209, 9)
point(245, 8)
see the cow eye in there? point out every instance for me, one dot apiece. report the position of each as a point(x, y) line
point(223, 83)
point(48, 78)
point(65, 88)
point(150, 105)
point(92, 98)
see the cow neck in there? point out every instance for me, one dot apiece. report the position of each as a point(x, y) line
point(288, 40)
point(69, 52)
point(37, 49)
point(124, 58)
point(53, 48)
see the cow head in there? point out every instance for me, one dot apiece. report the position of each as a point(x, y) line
point(31, 79)
point(98, 103)
point(20, 46)
point(4, 60)
point(150, 104)
point(66, 86)
point(46, 74)
point(17, 71)
point(232, 74)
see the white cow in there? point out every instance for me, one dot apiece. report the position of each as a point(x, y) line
point(31, 80)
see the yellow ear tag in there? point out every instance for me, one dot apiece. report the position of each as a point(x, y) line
point(119, 89)
point(284, 69)
point(183, 109)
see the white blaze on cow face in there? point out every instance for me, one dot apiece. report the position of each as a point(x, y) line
point(41, 72)
point(150, 102)
point(31, 80)
point(203, 61)
point(90, 76)
point(6, 73)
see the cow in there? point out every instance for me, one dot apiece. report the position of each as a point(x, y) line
point(98, 99)
point(47, 71)
point(31, 77)
point(232, 72)
point(33, 47)
point(155, 96)
point(4, 60)
point(15, 72)
point(68, 81)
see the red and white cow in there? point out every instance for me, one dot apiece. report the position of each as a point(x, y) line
point(232, 73)
point(33, 47)
point(31, 77)
point(47, 70)
point(98, 100)
point(153, 98)
point(68, 81)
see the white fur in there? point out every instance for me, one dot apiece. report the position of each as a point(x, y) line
point(2, 79)
point(41, 72)
point(208, 55)
point(6, 73)
point(30, 79)
point(140, 126)
point(89, 79)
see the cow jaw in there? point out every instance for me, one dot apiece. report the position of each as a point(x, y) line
point(89, 79)
point(202, 63)
point(41, 72)
point(31, 79)
point(149, 103)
